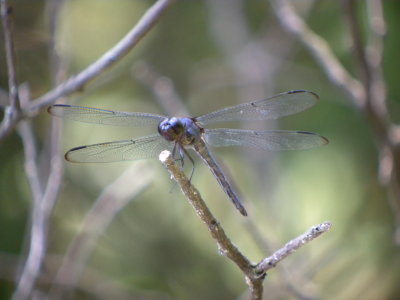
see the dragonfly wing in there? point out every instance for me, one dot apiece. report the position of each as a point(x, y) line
point(273, 140)
point(271, 108)
point(105, 117)
point(143, 148)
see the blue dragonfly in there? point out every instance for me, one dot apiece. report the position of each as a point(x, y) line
point(180, 134)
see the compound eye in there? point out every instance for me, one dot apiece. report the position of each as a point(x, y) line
point(171, 129)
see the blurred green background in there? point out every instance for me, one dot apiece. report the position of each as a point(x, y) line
point(216, 54)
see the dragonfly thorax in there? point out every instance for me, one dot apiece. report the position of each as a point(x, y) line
point(181, 130)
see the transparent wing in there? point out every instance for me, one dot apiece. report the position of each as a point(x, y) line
point(143, 148)
point(274, 140)
point(105, 117)
point(271, 108)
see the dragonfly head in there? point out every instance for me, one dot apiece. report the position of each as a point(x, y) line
point(181, 130)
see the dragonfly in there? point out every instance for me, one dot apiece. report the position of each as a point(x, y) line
point(180, 134)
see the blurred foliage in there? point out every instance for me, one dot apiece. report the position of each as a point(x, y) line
point(156, 244)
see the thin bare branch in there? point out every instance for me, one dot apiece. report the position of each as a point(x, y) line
point(30, 153)
point(12, 111)
point(225, 246)
point(37, 236)
point(285, 273)
point(320, 50)
point(292, 246)
point(77, 82)
point(374, 54)
point(43, 204)
point(389, 164)
point(6, 11)
point(113, 198)
point(369, 58)
point(113, 55)
point(358, 43)
point(368, 94)
point(54, 165)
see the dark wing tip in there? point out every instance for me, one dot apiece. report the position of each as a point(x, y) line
point(62, 105)
point(324, 139)
point(67, 155)
point(304, 91)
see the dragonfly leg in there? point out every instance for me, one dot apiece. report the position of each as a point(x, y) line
point(181, 158)
point(174, 150)
point(191, 161)
point(181, 154)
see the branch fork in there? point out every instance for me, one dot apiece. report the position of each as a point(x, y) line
point(254, 273)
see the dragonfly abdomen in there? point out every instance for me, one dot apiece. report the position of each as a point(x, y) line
point(202, 150)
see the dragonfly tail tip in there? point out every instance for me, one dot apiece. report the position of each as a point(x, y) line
point(243, 211)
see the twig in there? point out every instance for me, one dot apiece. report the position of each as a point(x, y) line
point(369, 94)
point(12, 111)
point(58, 72)
point(113, 198)
point(254, 274)
point(293, 245)
point(374, 54)
point(45, 200)
point(375, 110)
point(43, 205)
point(285, 274)
point(78, 81)
point(358, 44)
point(6, 11)
point(30, 153)
point(225, 246)
point(369, 58)
point(320, 50)
point(37, 235)
point(130, 40)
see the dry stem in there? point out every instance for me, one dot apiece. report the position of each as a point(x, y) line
point(254, 273)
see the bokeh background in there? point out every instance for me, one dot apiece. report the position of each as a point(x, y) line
point(201, 56)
